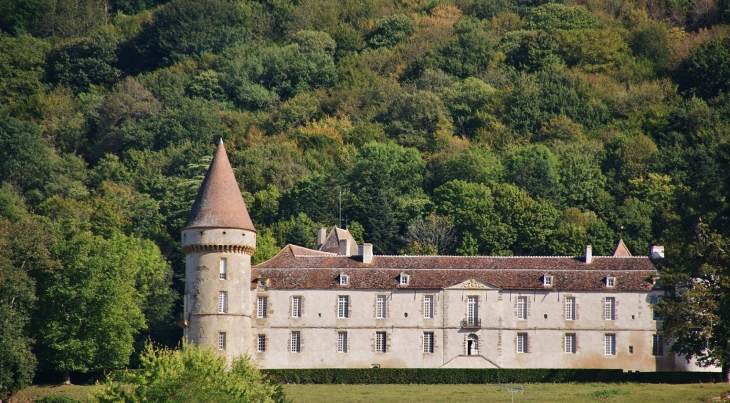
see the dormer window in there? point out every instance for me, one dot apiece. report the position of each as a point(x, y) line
point(262, 284)
point(611, 281)
point(344, 279)
point(404, 278)
point(547, 280)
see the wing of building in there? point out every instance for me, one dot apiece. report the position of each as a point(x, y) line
point(342, 306)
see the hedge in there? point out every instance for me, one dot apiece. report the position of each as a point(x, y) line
point(476, 376)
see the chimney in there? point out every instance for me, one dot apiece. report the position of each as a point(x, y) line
point(321, 236)
point(589, 254)
point(656, 252)
point(344, 247)
point(367, 253)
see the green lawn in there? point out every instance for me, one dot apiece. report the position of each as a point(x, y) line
point(558, 393)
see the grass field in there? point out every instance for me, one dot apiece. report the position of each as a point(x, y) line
point(558, 393)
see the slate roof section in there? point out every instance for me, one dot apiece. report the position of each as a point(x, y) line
point(219, 203)
point(303, 268)
point(621, 249)
point(332, 242)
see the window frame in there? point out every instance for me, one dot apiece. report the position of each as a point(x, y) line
point(404, 279)
point(295, 341)
point(521, 308)
point(342, 341)
point(569, 341)
point(428, 342)
point(472, 310)
point(222, 301)
point(221, 341)
point(570, 308)
point(381, 342)
point(262, 307)
point(428, 307)
point(609, 308)
point(522, 343)
point(343, 306)
point(296, 306)
point(261, 343)
point(344, 279)
point(381, 306)
point(609, 344)
point(657, 345)
point(611, 281)
point(547, 280)
point(654, 300)
point(223, 269)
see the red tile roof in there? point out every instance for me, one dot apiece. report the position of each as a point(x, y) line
point(621, 249)
point(332, 243)
point(296, 267)
point(219, 203)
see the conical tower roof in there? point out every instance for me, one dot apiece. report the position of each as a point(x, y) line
point(219, 203)
point(621, 249)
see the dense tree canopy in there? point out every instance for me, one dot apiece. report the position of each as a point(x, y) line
point(468, 126)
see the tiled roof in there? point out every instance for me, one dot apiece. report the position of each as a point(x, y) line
point(621, 249)
point(305, 268)
point(332, 243)
point(219, 203)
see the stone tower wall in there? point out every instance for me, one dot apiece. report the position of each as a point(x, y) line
point(204, 248)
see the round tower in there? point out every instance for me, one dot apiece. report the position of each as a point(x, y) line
point(218, 241)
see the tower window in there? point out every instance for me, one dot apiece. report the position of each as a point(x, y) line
point(222, 302)
point(223, 269)
point(221, 340)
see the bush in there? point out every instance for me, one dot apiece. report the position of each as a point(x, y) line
point(478, 376)
point(57, 399)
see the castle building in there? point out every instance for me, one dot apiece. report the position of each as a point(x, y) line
point(342, 306)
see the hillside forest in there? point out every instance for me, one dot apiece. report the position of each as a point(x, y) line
point(457, 127)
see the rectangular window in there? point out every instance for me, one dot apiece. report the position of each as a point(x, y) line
point(609, 311)
point(221, 340)
point(570, 343)
point(223, 269)
point(379, 342)
point(428, 342)
point(343, 302)
point(657, 347)
point(522, 308)
point(261, 343)
point(570, 308)
point(295, 345)
point(610, 343)
point(296, 307)
point(222, 302)
point(522, 342)
point(428, 306)
point(261, 307)
point(380, 306)
point(341, 342)
point(472, 311)
point(656, 315)
point(403, 279)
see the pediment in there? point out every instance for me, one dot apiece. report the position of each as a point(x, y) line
point(473, 284)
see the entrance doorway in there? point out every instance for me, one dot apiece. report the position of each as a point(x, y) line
point(472, 344)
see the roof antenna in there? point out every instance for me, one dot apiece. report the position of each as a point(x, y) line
point(340, 207)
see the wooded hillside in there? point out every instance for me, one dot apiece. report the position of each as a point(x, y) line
point(495, 127)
